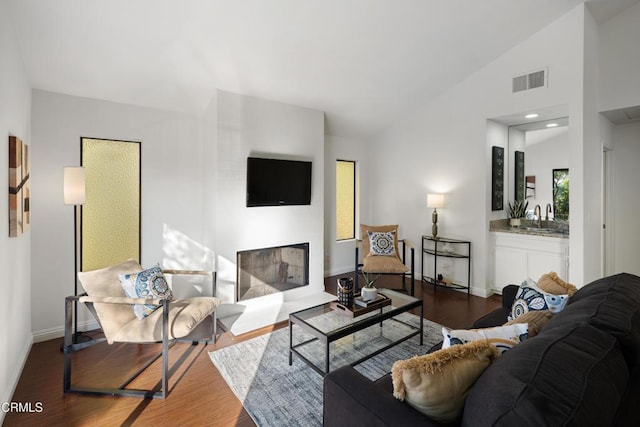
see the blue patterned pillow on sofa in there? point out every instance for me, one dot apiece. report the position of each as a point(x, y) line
point(148, 284)
point(531, 298)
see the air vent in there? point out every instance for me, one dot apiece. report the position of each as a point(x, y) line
point(530, 81)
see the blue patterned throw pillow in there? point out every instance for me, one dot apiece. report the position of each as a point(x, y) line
point(382, 243)
point(149, 284)
point(531, 298)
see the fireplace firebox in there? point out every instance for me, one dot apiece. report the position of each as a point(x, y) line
point(270, 270)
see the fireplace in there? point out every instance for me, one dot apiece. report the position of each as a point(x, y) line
point(270, 270)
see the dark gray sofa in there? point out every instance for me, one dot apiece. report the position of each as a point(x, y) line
point(582, 369)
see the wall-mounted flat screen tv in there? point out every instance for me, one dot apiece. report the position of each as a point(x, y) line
point(275, 182)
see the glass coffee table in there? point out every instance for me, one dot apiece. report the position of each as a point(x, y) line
point(324, 333)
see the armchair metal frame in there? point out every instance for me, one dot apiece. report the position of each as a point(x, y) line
point(69, 347)
point(405, 245)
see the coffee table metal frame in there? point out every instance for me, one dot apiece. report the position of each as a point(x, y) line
point(401, 303)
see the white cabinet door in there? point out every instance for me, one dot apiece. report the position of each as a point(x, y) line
point(510, 267)
point(520, 256)
point(540, 263)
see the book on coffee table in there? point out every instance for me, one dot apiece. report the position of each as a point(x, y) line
point(357, 310)
point(362, 303)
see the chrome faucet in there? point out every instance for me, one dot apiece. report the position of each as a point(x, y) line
point(537, 211)
point(547, 211)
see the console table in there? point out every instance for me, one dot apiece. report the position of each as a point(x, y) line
point(460, 249)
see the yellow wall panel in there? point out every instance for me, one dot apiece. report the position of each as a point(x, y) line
point(345, 200)
point(111, 213)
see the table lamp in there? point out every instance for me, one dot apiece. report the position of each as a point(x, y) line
point(435, 201)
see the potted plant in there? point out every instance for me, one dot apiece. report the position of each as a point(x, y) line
point(517, 211)
point(369, 292)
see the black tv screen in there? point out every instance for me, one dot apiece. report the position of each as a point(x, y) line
point(273, 182)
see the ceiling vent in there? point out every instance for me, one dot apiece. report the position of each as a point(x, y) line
point(530, 81)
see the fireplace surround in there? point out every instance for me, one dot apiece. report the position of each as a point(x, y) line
point(270, 270)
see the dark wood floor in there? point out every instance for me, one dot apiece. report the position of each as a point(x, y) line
point(198, 394)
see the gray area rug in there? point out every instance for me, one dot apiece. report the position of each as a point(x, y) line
point(276, 394)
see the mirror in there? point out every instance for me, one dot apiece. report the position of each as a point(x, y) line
point(539, 155)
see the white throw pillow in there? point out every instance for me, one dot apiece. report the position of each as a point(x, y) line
point(501, 337)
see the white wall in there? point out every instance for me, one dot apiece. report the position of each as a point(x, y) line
point(340, 255)
point(172, 191)
point(15, 261)
point(517, 142)
point(540, 160)
point(619, 67)
point(626, 176)
point(590, 187)
point(619, 61)
point(255, 127)
point(497, 136)
point(443, 145)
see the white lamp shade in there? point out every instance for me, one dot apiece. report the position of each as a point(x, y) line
point(435, 200)
point(74, 193)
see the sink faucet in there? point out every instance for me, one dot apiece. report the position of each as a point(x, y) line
point(537, 211)
point(547, 211)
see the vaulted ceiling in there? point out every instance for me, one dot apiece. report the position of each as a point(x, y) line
point(365, 63)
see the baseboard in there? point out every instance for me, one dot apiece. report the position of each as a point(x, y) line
point(13, 381)
point(58, 331)
point(481, 292)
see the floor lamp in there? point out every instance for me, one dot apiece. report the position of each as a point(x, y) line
point(74, 194)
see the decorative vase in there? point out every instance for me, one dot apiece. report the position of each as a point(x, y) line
point(515, 222)
point(368, 294)
point(345, 291)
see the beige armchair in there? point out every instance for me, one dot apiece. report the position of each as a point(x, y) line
point(189, 319)
point(380, 252)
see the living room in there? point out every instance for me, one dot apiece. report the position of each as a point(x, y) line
point(193, 162)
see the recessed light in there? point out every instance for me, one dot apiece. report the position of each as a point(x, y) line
point(552, 125)
point(531, 116)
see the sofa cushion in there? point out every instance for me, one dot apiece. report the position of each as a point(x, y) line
point(436, 384)
point(184, 316)
point(611, 304)
point(352, 400)
point(495, 318)
point(571, 375)
point(105, 283)
point(628, 414)
point(383, 264)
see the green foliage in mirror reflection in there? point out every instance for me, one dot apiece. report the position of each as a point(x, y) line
point(561, 194)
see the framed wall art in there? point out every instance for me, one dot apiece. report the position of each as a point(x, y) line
point(19, 187)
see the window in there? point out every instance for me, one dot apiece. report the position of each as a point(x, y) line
point(561, 194)
point(345, 200)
